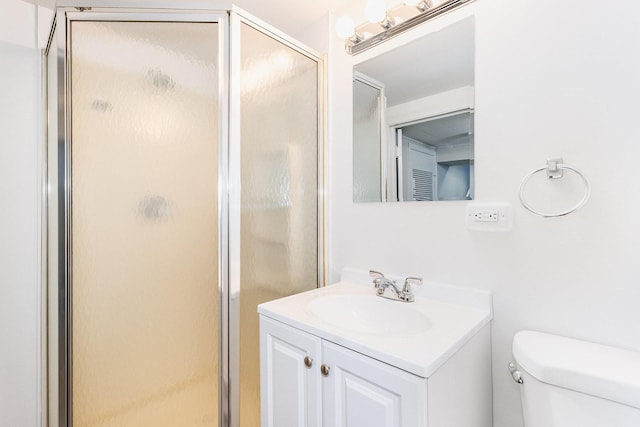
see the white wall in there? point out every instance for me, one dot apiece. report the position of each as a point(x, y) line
point(552, 79)
point(19, 216)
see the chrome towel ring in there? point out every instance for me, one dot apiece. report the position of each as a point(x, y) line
point(555, 168)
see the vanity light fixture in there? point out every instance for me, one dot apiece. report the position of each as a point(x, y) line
point(421, 5)
point(375, 12)
point(386, 23)
point(346, 29)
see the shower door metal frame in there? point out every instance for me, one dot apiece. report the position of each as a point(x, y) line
point(237, 18)
point(227, 20)
point(61, 30)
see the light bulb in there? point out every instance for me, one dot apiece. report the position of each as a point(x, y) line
point(345, 27)
point(375, 11)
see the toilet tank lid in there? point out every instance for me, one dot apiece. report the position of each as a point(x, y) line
point(594, 369)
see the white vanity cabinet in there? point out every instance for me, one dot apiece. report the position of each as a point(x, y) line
point(361, 391)
point(341, 356)
point(290, 387)
point(307, 381)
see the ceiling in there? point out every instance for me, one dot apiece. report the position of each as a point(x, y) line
point(433, 64)
point(290, 16)
point(442, 131)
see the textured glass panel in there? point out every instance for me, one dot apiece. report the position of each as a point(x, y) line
point(279, 175)
point(145, 264)
point(366, 143)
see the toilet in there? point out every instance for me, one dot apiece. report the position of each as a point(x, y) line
point(572, 383)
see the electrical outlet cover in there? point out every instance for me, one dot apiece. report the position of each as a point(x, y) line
point(489, 216)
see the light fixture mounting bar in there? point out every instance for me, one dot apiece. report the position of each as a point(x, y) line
point(447, 6)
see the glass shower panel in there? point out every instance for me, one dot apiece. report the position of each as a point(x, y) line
point(145, 310)
point(279, 195)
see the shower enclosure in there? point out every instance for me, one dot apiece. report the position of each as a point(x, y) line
point(183, 189)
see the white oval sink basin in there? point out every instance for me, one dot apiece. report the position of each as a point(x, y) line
point(369, 314)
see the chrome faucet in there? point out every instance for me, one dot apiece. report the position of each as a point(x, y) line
point(381, 284)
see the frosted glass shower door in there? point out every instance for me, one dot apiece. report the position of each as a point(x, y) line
point(144, 183)
point(275, 159)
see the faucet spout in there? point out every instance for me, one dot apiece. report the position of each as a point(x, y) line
point(383, 283)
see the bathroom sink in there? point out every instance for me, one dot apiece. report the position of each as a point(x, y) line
point(369, 314)
point(417, 336)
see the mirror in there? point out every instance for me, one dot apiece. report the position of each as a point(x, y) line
point(413, 112)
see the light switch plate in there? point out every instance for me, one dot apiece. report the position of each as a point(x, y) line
point(489, 216)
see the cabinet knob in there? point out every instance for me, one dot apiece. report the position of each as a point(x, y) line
point(308, 361)
point(324, 370)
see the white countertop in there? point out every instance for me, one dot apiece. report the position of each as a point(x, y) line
point(421, 353)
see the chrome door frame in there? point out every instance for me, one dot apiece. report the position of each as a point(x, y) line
point(238, 17)
point(58, 34)
point(63, 17)
point(119, 11)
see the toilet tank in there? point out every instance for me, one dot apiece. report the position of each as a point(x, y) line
point(573, 383)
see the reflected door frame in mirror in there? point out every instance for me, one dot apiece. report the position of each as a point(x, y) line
point(370, 140)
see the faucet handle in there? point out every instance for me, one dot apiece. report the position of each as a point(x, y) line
point(411, 281)
point(376, 274)
point(377, 279)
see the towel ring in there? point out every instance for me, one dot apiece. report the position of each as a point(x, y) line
point(554, 170)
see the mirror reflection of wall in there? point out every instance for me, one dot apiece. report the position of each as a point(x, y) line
point(413, 120)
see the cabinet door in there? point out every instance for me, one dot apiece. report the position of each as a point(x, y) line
point(362, 392)
point(290, 394)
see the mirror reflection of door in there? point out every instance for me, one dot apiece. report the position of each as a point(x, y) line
point(435, 158)
point(418, 170)
point(369, 139)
